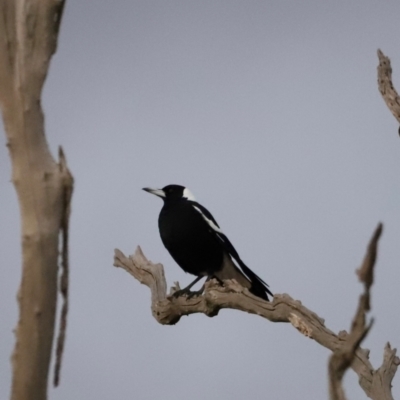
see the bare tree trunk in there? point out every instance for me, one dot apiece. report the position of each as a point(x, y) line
point(28, 37)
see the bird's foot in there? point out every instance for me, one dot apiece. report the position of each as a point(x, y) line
point(187, 293)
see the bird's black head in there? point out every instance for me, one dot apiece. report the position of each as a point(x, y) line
point(172, 193)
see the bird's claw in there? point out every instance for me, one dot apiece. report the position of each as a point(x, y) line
point(187, 293)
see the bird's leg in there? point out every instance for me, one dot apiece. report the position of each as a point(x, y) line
point(201, 290)
point(197, 292)
point(193, 283)
point(187, 291)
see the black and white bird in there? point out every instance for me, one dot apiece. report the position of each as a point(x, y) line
point(197, 244)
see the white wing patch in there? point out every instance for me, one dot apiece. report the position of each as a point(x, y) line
point(219, 233)
point(187, 194)
point(209, 221)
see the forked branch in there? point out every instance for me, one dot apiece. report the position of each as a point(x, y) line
point(341, 360)
point(168, 310)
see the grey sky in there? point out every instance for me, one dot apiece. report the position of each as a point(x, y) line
point(270, 113)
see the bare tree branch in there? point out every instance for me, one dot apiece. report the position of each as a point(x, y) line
point(168, 310)
point(341, 360)
point(381, 387)
point(386, 87)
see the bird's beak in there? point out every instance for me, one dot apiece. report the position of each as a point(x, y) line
point(157, 192)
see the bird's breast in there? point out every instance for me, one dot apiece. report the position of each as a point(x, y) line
point(189, 240)
point(180, 226)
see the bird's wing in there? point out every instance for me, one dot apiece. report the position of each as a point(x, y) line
point(228, 246)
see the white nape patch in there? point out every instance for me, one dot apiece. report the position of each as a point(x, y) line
point(187, 194)
point(209, 221)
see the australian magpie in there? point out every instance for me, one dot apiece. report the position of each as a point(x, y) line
point(198, 245)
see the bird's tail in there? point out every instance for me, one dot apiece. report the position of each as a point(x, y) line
point(247, 278)
point(258, 286)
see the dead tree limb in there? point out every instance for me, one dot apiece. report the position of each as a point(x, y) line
point(386, 87)
point(341, 360)
point(168, 310)
point(28, 32)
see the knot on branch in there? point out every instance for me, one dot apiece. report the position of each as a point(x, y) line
point(300, 325)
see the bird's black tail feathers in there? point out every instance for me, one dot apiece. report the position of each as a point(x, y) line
point(235, 268)
point(258, 287)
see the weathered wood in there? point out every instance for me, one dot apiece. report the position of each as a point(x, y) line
point(342, 359)
point(168, 310)
point(28, 38)
point(386, 87)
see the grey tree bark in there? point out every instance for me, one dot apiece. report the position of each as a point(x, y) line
point(385, 86)
point(28, 39)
